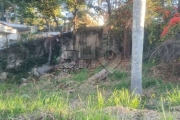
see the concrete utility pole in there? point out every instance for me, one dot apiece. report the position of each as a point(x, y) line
point(139, 7)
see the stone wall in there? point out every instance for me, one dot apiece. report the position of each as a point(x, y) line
point(91, 42)
point(88, 42)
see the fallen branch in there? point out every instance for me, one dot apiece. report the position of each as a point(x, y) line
point(100, 75)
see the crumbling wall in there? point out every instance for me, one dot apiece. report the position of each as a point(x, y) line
point(88, 42)
point(21, 57)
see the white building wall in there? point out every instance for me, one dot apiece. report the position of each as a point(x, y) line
point(14, 36)
point(7, 29)
point(3, 41)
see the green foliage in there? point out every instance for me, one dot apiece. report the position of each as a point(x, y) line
point(29, 63)
point(174, 97)
point(125, 98)
point(16, 77)
point(78, 4)
point(96, 70)
point(44, 97)
point(119, 75)
point(122, 77)
point(3, 63)
point(39, 12)
point(81, 75)
point(147, 65)
point(94, 115)
point(11, 105)
point(100, 99)
point(149, 82)
point(154, 31)
point(123, 84)
point(173, 33)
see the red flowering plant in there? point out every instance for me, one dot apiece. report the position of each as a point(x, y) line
point(172, 28)
point(164, 12)
point(161, 16)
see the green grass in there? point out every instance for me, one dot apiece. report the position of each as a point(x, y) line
point(173, 97)
point(12, 105)
point(149, 82)
point(15, 104)
point(81, 75)
point(94, 114)
point(119, 75)
point(122, 79)
point(125, 98)
point(50, 98)
point(122, 84)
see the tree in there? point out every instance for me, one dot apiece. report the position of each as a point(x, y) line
point(137, 45)
point(75, 7)
point(5, 5)
point(121, 20)
point(43, 12)
point(109, 8)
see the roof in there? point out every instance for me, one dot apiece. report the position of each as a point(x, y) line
point(47, 34)
point(7, 29)
point(90, 29)
point(19, 27)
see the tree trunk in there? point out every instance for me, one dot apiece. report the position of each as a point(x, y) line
point(137, 45)
point(74, 19)
point(125, 44)
point(2, 11)
point(50, 51)
point(126, 39)
point(162, 3)
point(47, 23)
point(109, 8)
point(74, 25)
point(57, 24)
point(178, 6)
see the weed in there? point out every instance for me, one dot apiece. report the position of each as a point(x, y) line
point(150, 82)
point(81, 76)
point(125, 83)
point(119, 75)
point(94, 115)
point(147, 65)
point(165, 115)
point(125, 98)
point(12, 105)
point(174, 97)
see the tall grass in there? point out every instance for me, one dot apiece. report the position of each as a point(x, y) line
point(118, 98)
point(166, 115)
point(13, 105)
point(94, 115)
point(81, 75)
point(173, 97)
point(119, 75)
point(125, 98)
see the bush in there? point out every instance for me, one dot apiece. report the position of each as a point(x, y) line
point(28, 64)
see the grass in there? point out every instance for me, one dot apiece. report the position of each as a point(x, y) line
point(46, 100)
point(119, 75)
point(125, 98)
point(122, 79)
point(94, 115)
point(81, 75)
point(15, 103)
point(173, 97)
point(12, 105)
point(149, 82)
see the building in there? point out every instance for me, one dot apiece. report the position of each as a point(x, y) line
point(10, 33)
